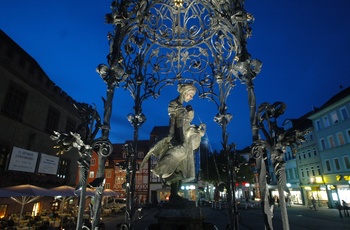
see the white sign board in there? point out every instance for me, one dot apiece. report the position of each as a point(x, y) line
point(23, 160)
point(48, 164)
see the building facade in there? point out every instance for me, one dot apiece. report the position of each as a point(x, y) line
point(332, 131)
point(31, 108)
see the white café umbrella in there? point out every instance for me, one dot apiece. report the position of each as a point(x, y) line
point(24, 194)
point(68, 192)
point(110, 192)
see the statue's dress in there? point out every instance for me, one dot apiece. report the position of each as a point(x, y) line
point(175, 152)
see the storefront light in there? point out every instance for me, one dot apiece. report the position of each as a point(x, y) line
point(288, 185)
point(192, 187)
point(307, 188)
point(312, 180)
point(318, 179)
point(247, 184)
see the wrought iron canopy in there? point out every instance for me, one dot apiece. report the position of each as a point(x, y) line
point(155, 43)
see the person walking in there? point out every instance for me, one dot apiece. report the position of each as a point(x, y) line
point(339, 207)
point(313, 202)
point(345, 208)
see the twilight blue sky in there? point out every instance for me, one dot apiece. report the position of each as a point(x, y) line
point(304, 47)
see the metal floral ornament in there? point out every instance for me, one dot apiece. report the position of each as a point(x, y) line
point(222, 119)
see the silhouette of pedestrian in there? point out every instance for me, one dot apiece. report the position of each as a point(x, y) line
point(339, 207)
point(313, 202)
point(345, 208)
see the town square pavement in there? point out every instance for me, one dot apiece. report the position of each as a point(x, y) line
point(299, 217)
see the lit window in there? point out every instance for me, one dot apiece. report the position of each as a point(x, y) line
point(335, 118)
point(91, 174)
point(331, 141)
point(108, 174)
point(340, 137)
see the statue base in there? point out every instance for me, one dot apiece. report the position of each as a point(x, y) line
point(171, 217)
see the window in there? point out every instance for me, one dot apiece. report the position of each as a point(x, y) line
point(140, 155)
point(331, 141)
point(124, 155)
point(63, 168)
point(309, 153)
point(107, 186)
point(93, 162)
point(318, 170)
point(70, 126)
point(323, 144)
point(302, 173)
point(340, 137)
point(347, 162)
point(326, 121)
point(312, 171)
point(307, 172)
point(53, 117)
point(318, 125)
point(14, 101)
point(336, 163)
point(334, 117)
point(328, 166)
point(315, 152)
point(108, 174)
point(348, 132)
point(91, 174)
point(311, 137)
point(296, 173)
point(344, 113)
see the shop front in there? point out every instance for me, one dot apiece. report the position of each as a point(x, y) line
point(338, 188)
point(316, 191)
